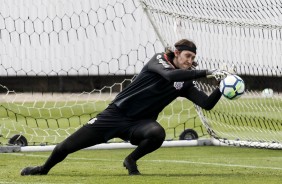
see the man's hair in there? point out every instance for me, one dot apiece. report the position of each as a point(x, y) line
point(181, 45)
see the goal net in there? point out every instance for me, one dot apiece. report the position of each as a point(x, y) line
point(46, 45)
point(113, 40)
point(243, 34)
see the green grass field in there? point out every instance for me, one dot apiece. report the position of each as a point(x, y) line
point(208, 164)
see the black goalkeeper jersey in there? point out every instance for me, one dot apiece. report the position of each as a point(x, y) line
point(158, 84)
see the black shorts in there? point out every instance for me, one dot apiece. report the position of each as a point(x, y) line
point(112, 123)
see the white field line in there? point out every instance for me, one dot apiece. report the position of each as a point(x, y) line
point(167, 161)
point(215, 164)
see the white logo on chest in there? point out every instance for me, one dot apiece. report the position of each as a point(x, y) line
point(161, 61)
point(91, 121)
point(178, 85)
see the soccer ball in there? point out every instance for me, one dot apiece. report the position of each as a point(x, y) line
point(232, 87)
point(267, 93)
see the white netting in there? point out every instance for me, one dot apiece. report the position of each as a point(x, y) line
point(253, 120)
point(116, 38)
point(247, 34)
point(50, 118)
point(74, 37)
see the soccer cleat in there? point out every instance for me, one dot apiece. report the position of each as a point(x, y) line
point(131, 166)
point(33, 171)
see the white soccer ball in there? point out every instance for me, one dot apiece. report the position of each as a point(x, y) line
point(232, 87)
point(267, 93)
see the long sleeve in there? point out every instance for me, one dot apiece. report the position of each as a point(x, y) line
point(160, 65)
point(202, 99)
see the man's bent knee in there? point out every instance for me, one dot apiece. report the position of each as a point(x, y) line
point(153, 133)
point(157, 133)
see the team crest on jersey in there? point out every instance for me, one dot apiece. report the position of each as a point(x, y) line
point(178, 85)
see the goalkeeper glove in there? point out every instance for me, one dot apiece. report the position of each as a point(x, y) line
point(217, 74)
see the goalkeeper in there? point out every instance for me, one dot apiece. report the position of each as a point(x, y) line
point(132, 115)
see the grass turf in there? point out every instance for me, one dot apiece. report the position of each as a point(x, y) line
point(208, 164)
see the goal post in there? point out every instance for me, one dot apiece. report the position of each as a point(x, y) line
point(227, 36)
point(62, 62)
